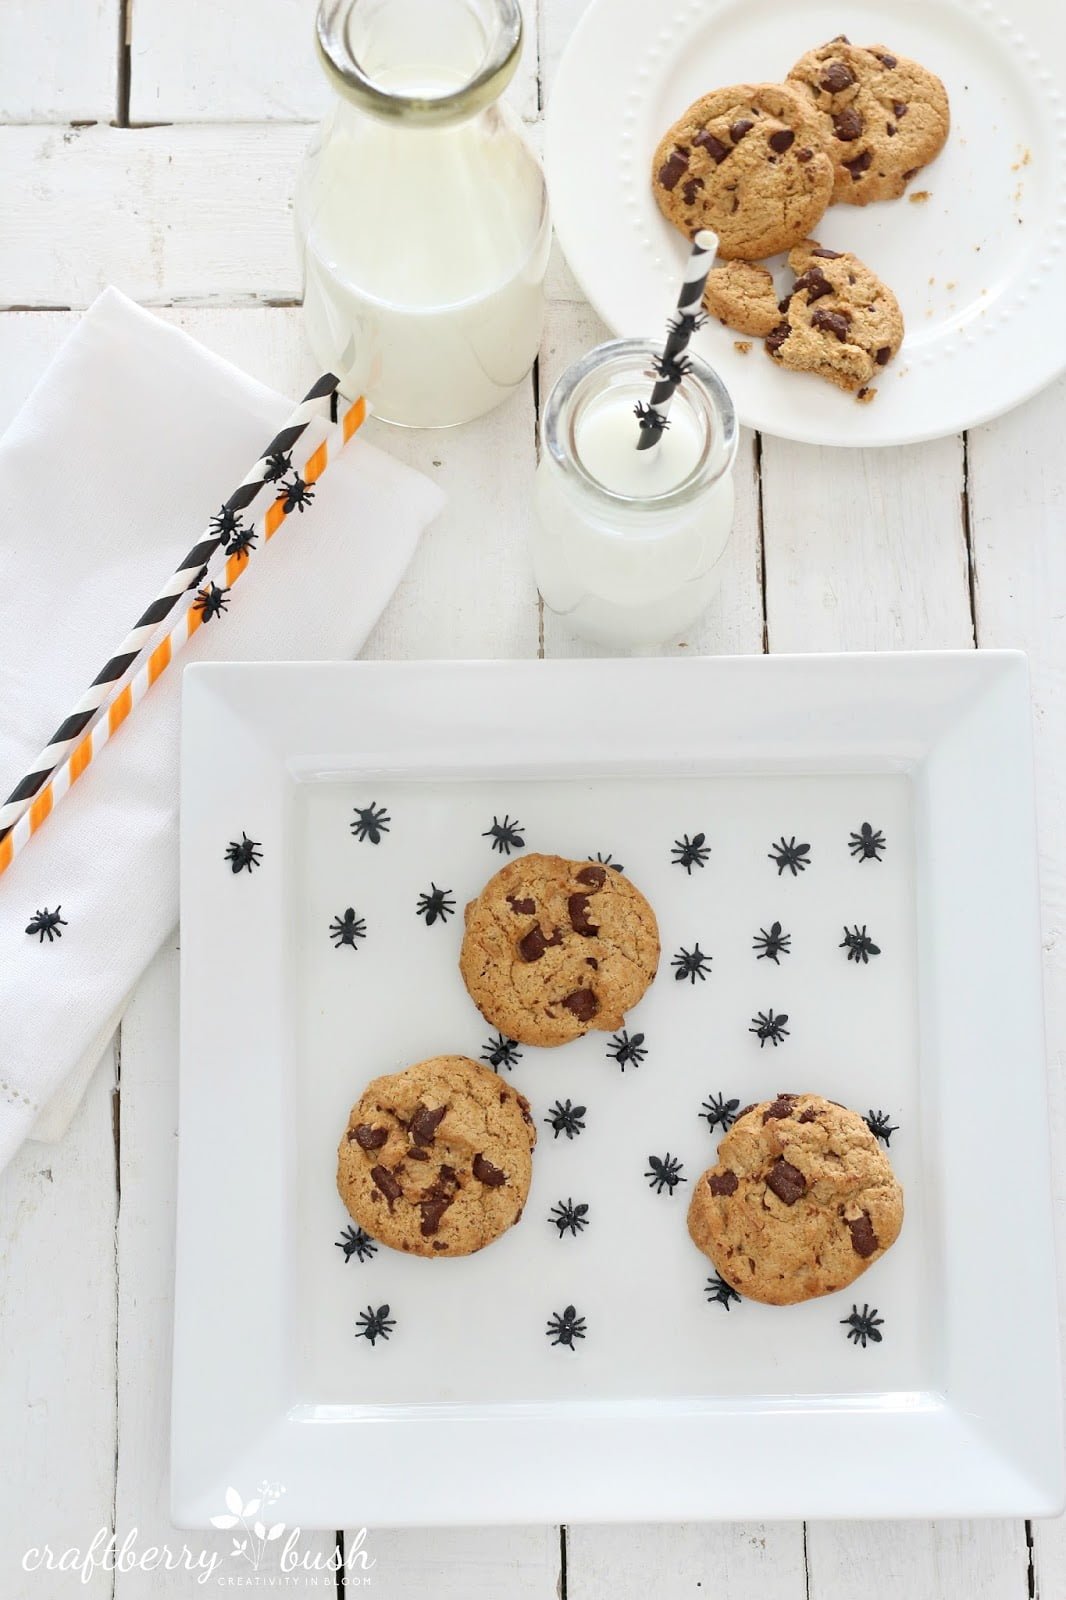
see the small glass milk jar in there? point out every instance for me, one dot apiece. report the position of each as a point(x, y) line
point(627, 543)
point(421, 210)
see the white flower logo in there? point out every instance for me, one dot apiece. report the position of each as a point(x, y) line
point(252, 1547)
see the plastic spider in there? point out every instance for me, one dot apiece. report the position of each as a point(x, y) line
point(295, 495)
point(719, 1292)
point(244, 855)
point(859, 945)
point(867, 844)
point(691, 964)
point(649, 420)
point(211, 602)
point(500, 1052)
point(505, 835)
point(47, 925)
point(719, 1112)
point(370, 822)
point(685, 324)
point(787, 853)
point(437, 904)
point(664, 1172)
point(689, 853)
point(773, 945)
point(863, 1325)
point(277, 465)
point(627, 1051)
point(880, 1127)
point(374, 1325)
point(225, 523)
point(566, 1328)
point(771, 1027)
point(242, 542)
point(566, 1118)
point(347, 929)
point(671, 369)
point(358, 1243)
point(606, 861)
point(569, 1218)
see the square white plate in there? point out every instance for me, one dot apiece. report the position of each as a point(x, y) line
point(671, 1404)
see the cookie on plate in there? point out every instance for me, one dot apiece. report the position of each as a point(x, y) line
point(749, 162)
point(742, 295)
point(839, 320)
point(435, 1160)
point(555, 948)
point(801, 1201)
point(883, 117)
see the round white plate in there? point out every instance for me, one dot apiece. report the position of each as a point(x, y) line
point(978, 267)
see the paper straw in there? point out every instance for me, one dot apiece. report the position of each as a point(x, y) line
point(671, 366)
point(223, 528)
point(210, 601)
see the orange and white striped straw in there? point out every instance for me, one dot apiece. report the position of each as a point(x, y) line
point(115, 713)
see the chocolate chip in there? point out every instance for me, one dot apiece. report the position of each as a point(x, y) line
point(578, 907)
point(782, 140)
point(583, 1004)
point(913, 173)
point(782, 1107)
point(723, 1182)
point(835, 322)
point(534, 944)
point(590, 961)
point(804, 154)
point(899, 109)
point(836, 77)
point(744, 1112)
point(432, 1209)
point(448, 1174)
point(424, 1123)
point(691, 190)
point(714, 147)
point(439, 1244)
point(884, 355)
point(777, 336)
point(504, 1097)
point(864, 1240)
point(885, 59)
point(415, 1154)
point(523, 1106)
point(388, 1183)
point(368, 1138)
point(827, 255)
point(783, 305)
point(593, 876)
point(739, 128)
point(486, 1173)
point(810, 1115)
point(859, 165)
point(521, 908)
point(786, 1181)
point(840, 38)
point(890, 129)
point(815, 282)
point(847, 124)
point(672, 171)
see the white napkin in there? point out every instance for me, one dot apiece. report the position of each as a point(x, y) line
point(131, 440)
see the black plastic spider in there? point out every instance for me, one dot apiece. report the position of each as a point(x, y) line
point(244, 855)
point(211, 602)
point(370, 822)
point(767, 1026)
point(358, 1243)
point(438, 904)
point(347, 929)
point(773, 945)
point(277, 466)
point(880, 1127)
point(867, 844)
point(691, 964)
point(720, 1293)
point(649, 420)
point(685, 324)
point(791, 855)
point(505, 835)
point(374, 1325)
point(859, 945)
point(500, 1052)
point(863, 1325)
point(627, 1051)
point(569, 1218)
point(225, 523)
point(47, 924)
point(566, 1118)
point(295, 495)
point(664, 1172)
point(719, 1112)
point(689, 853)
point(606, 861)
point(565, 1328)
point(242, 542)
point(671, 369)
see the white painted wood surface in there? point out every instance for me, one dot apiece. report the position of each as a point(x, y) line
point(946, 544)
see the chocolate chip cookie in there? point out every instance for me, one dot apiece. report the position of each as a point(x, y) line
point(435, 1160)
point(749, 162)
point(742, 295)
point(802, 1200)
point(838, 321)
point(883, 117)
point(554, 948)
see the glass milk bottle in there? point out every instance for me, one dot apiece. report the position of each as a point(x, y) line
point(422, 211)
point(627, 543)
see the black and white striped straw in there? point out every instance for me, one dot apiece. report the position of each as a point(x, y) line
point(270, 467)
point(671, 366)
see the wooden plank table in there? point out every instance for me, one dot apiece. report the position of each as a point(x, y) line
point(152, 144)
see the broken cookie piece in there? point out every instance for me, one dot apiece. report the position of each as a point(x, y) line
point(741, 295)
point(838, 321)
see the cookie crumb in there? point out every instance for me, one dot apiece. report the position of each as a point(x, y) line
point(865, 396)
point(920, 196)
point(1026, 158)
point(742, 346)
